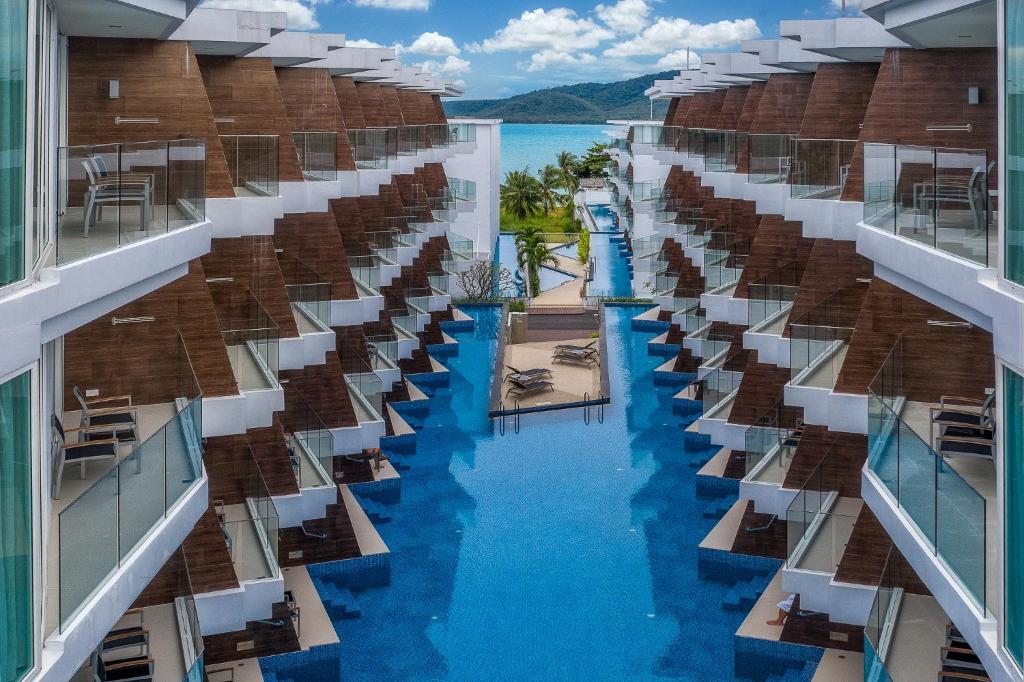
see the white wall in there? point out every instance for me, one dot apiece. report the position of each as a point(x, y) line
point(482, 166)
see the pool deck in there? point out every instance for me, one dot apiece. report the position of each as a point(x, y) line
point(573, 382)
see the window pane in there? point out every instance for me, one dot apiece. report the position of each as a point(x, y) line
point(1013, 454)
point(1013, 194)
point(15, 528)
point(13, 38)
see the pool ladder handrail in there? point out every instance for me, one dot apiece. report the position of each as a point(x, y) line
point(587, 405)
point(502, 414)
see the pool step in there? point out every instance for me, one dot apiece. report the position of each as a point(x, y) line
point(375, 512)
point(339, 601)
point(743, 595)
point(718, 508)
point(795, 674)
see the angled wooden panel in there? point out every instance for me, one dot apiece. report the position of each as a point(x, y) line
point(732, 108)
point(838, 101)
point(348, 102)
point(314, 240)
point(312, 105)
point(782, 104)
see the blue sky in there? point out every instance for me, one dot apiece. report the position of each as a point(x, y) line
point(500, 48)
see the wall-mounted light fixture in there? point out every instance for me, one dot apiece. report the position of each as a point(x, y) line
point(973, 95)
point(113, 89)
point(132, 320)
point(958, 128)
point(120, 120)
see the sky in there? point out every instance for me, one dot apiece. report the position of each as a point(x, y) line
point(499, 48)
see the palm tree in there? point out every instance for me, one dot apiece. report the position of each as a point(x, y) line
point(521, 195)
point(532, 253)
point(550, 183)
point(568, 167)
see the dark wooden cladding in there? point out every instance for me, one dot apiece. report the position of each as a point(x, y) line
point(348, 218)
point(782, 104)
point(324, 388)
point(268, 638)
point(702, 106)
point(312, 105)
point(270, 452)
point(916, 89)
point(438, 115)
point(142, 359)
point(761, 393)
point(766, 535)
point(681, 110)
point(673, 106)
point(348, 102)
point(832, 265)
point(815, 629)
point(863, 561)
point(936, 360)
point(392, 106)
point(159, 79)
point(732, 108)
point(315, 241)
point(838, 101)
point(777, 242)
point(841, 471)
point(246, 92)
point(371, 100)
point(168, 584)
point(209, 562)
point(337, 539)
point(750, 105)
point(231, 469)
point(252, 264)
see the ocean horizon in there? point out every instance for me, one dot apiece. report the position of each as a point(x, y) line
point(534, 145)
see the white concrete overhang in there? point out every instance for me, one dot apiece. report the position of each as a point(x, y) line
point(743, 65)
point(229, 32)
point(937, 23)
point(345, 61)
point(855, 39)
point(293, 48)
point(154, 19)
point(785, 53)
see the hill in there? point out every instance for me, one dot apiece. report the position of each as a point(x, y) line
point(579, 103)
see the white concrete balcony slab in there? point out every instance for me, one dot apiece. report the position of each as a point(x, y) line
point(356, 311)
point(824, 407)
point(244, 216)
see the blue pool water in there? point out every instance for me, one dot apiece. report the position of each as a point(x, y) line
point(604, 218)
point(563, 552)
point(536, 145)
point(505, 254)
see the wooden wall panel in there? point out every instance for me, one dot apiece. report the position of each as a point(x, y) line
point(371, 100)
point(760, 393)
point(392, 106)
point(324, 389)
point(916, 89)
point(838, 101)
point(782, 104)
point(732, 108)
point(750, 106)
point(314, 240)
point(937, 360)
point(267, 640)
point(695, 114)
point(777, 243)
point(206, 554)
point(673, 106)
point(246, 92)
point(158, 79)
point(348, 102)
point(832, 265)
point(143, 359)
point(439, 115)
point(846, 453)
point(684, 107)
point(312, 104)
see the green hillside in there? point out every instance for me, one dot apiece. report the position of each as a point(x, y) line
point(580, 103)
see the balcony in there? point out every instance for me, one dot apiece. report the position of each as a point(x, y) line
point(722, 149)
point(934, 196)
point(820, 168)
point(769, 445)
point(367, 393)
point(819, 340)
point(372, 147)
point(769, 158)
point(317, 152)
point(115, 195)
point(250, 530)
point(411, 139)
point(123, 467)
point(941, 479)
point(770, 299)
point(252, 163)
point(310, 296)
point(724, 259)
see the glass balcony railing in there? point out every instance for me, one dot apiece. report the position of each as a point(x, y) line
point(713, 347)
point(724, 260)
point(819, 339)
point(373, 147)
point(938, 197)
point(769, 158)
point(463, 190)
point(309, 294)
point(418, 299)
point(365, 389)
point(99, 529)
point(311, 443)
point(819, 522)
point(384, 244)
point(251, 527)
point(405, 321)
point(190, 632)
point(694, 321)
point(682, 301)
point(718, 387)
point(930, 491)
point(771, 295)
point(440, 282)
point(672, 139)
point(462, 248)
point(722, 150)
point(461, 132)
point(366, 273)
point(665, 282)
point(649, 190)
point(646, 133)
point(384, 350)
point(252, 163)
point(439, 136)
point(411, 140)
point(118, 194)
point(696, 139)
point(769, 440)
point(820, 168)
point(645, 247)
point(317, 152)
point(251, 337)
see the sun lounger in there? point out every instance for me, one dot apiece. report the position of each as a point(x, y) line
point(535, 373)
point(570, 346)
point(519, 389)
point(588, 357)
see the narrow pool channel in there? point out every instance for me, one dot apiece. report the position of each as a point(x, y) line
point(563, 552)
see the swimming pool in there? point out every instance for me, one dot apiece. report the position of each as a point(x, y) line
point(563, 552)
point(604, 218)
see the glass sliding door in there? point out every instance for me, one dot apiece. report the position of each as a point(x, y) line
point(16, 630)
point(1012, 195)
point(1013, 464)
point(13, 67)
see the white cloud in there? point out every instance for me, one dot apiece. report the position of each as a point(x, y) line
point(434, 44)
point(558, 30)
point(545, 58)
point(625, 16)
point(678, 60)
point(852, 6)
point(394, 4)
point(450, 66)
point(668, 34)
point(301, 14)
point(361, 42)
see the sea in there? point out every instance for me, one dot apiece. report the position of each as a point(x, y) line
point(534, 145)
